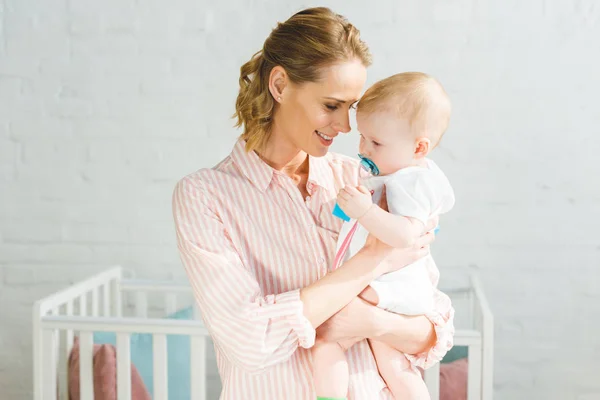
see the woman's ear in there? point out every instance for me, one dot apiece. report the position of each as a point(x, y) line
point(422, 147)
point(277, 82)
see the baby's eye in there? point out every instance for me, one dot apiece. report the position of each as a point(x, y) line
point(376, 144)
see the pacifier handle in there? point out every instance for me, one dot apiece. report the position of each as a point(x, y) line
point(368, 165)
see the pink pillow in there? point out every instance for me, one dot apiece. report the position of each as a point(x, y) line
point(104, 374)
point(453, 380)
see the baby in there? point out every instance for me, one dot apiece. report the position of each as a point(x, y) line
point(400, 120)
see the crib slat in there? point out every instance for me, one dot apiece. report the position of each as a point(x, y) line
point(170, 303)
point(141, 304)
point(86, 356)
point(83, 305)
point(123, 367)
point(95, 302)
point(49, 341)
point(198, 367)
point(159, 349)
point(487, 378)
point(432, 379)
point(69, 332)
point(474, 373)
point(106, 300)
point(116, 298)
point(53, 363)
point(68, 345)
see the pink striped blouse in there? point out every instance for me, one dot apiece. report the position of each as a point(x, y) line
point(249, 242)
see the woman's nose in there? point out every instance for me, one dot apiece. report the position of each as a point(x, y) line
point(343, 123)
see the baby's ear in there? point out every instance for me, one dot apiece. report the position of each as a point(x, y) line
point(422, 147)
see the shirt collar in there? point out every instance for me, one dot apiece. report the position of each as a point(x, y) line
point(256, 170)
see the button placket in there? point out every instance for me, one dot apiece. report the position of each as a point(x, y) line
point(306, 215)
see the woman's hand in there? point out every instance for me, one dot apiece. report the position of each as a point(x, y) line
point(400, 258)
point(349, 325)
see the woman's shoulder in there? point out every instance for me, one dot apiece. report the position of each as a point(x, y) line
point(204, 179)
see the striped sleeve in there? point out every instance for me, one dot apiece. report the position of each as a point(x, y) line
point(253, 331)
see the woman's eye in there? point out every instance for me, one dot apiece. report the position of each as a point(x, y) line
point(330, 107)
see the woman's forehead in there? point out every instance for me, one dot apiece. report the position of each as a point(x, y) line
point(342, 81)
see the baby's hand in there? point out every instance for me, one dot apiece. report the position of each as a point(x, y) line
point(355, 202)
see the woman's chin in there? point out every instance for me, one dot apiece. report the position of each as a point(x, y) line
point(319, 151)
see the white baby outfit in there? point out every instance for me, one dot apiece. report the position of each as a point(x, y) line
point(420, 193)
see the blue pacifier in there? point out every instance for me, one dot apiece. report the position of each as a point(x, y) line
point(369, 166)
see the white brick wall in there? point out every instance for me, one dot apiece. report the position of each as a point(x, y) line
point(105, 104)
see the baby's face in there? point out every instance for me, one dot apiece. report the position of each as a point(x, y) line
point(387, 140)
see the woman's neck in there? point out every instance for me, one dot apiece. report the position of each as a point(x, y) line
point(285, 157)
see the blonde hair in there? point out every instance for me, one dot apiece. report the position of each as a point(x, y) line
point(416, 96)
point(304, 44)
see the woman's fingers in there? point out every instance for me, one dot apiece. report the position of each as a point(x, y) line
point(422, 252)
point(432, 223)
point(424, 240)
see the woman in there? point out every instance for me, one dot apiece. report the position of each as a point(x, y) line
point(257, 237)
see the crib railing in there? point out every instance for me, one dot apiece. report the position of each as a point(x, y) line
point(96, 305)
point(478, 337)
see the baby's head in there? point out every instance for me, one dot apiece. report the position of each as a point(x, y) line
point(401, 119)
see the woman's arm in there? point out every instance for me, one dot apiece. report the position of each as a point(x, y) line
point(409, 334)
point(331, 293)
point(423, 339)
point(255, 331)
point(328, 295)
point(360, 320)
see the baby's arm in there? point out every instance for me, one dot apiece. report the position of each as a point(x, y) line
point(394, 230)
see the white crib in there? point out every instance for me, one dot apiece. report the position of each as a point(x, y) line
point(474, 324)
point(96, 305)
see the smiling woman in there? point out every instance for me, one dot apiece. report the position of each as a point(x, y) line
point(317, 51)
point(256, 232)
point(310, 115)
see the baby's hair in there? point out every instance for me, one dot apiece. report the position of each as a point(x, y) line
point(416, 96)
